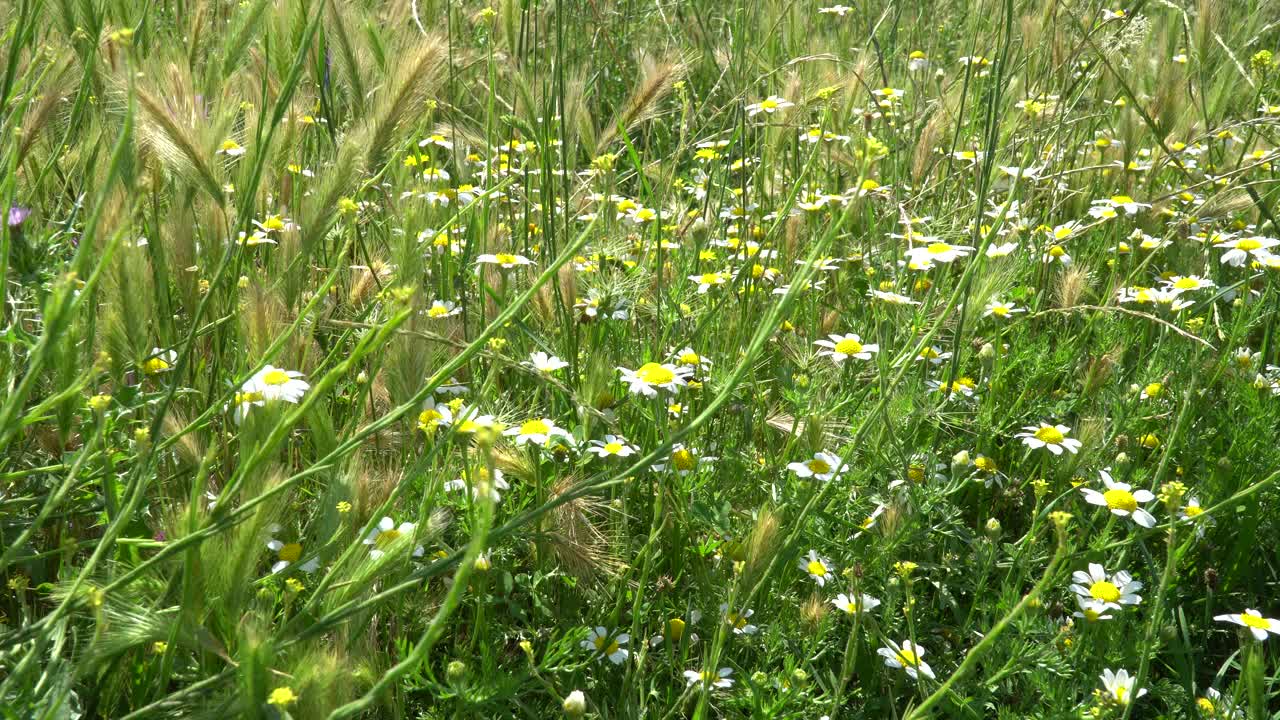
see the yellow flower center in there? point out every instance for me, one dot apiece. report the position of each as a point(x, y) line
point(1193, 510)
point(939, 248)
point(690, 358)
point(1248, 244)
point(1104, 591)
point(818, 466)
point(436, 311)
point(386, 537)
point(155, 365)
point(768, 105)
point(1049, 435)
point(290, 552)
point(275, 377)
point(682, 459)
point(534, 427)
point(908, 657)
point(816, 568)
point(1000, 311)
point(848, 346)
point(1057, 251)
point(655, 374)
point(505, 258)
point(675, 628)
point(1187, 284)
point(985, 464)
point(613, 448)
point(1254, 621)
point(1120, 500)
point(1153, 389)
point(1121, 199)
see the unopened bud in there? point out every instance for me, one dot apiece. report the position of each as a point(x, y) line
point(575, 705)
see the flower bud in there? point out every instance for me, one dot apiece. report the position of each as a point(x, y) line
point(575, 705)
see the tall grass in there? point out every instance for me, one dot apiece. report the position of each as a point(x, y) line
point(463, 359)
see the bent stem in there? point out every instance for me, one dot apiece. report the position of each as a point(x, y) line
point(971, 660)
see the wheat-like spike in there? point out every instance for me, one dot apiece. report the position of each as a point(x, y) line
point(408, 89)
point(175, 146)
point(643, 103)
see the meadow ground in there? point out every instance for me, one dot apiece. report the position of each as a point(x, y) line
point(640, 359)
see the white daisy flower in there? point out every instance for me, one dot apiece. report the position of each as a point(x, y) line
point(996, 250)
point(386, 534)
point(855, 604)
point(939, 252)
point(1252, 619)
point(822, 466)
point(840, 347)
point(1121, 499)
point(1112, 592)
point(1240, 249)
point(1119, 686)
point(719, 679)
point(611, 446)
point(1052, 437)
point(538, 431)
point(434, 416)
point(1092, 610)
point(288, 554)
point(604, 644)
point(769, 105)
point(1002, 310)
point(276, 384)
point(817, 567)
point(739, 621)
point(160, 361)
point(906, 656)
point(441, 309)
point(504, 260)
point(684, 460)
point(870, 521)
point(544, 363)
point(649, 378)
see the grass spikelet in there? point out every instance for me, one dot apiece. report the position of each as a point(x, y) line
point(417, 72)
point(657, 77)
point(176, 144)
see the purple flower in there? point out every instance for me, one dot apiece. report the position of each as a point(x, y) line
point(17, 215)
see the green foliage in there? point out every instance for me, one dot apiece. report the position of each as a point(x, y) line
point(441, 359)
